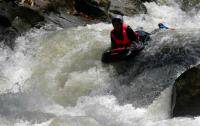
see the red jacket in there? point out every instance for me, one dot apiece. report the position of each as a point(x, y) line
point(122, 43)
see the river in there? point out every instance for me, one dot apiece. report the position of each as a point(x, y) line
point(55, 76)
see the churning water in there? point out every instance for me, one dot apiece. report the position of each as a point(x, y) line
point(56, 77)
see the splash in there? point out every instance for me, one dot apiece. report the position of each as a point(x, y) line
point(55, 77)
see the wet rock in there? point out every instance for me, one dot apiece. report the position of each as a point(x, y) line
point(128, 7)
point(94, 8)
point(15, 19)
point(186, 93)
point(20, 24)
point(12, 10)
point(8, 37)
point(41, 4)
point(188, 5)
point(4, 21)
point(28, 15)
point(65, 20)
point(148, 0)
point(55, 5)
point(7, 33)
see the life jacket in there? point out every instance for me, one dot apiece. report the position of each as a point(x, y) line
point(122, 43)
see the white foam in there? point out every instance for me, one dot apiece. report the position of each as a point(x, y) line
point(65, 68)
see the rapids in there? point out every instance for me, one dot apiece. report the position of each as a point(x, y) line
point(55, 76)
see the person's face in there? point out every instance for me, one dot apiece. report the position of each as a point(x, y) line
point(117, 26)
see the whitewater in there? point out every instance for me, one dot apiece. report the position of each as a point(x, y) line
point(55, 77)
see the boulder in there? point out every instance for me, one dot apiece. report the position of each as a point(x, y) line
point(128, 7)
point(186, 93)
point(28, 15)
point(15, 19)
point(12, 10)
point(21, 25)
point(188, 5)
point(9, 36)
point(94, 8)
point(148, 1)
point(4, 21)
point(41, 4)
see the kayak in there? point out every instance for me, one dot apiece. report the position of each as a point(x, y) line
point(120, 54)
point(143, 36)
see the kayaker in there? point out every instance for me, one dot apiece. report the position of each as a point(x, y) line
point(164, 25)
point(122, 35)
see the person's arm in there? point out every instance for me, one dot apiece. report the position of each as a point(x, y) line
point(113, 45)
point(162, 26)
point(165, 26)
point(131, 34)
point(171, 28)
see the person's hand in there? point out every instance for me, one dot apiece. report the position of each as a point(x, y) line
point(172, 28)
